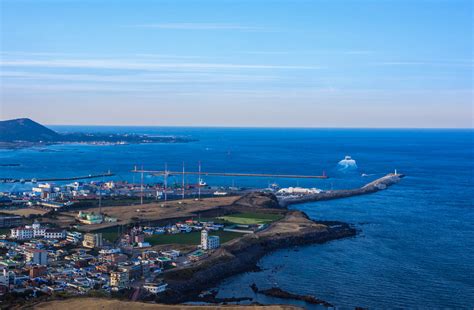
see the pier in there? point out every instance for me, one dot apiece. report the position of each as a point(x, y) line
point(34, 180)
point(372, 187)
point(231, 174)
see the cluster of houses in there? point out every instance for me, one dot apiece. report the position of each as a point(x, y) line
point(42, 260)
point(57, 196)
point(53, 196)
point(34, 260)
point(182, 227)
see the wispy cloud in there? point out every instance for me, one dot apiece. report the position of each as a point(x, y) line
point(146, 66)
point(314, 52)
point(200, 26)
point(462, 63)
point(164, 78)
point(49, 55)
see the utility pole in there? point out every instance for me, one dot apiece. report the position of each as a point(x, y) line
point(182, 182)
point(166, 180)
point(199, 181)
point(100, 199)
point(141, 188)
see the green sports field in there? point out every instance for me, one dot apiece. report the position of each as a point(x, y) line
point(249, 218)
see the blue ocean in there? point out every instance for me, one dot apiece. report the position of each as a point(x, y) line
point(415, 247)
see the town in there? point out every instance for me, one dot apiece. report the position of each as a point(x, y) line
point(75, 239)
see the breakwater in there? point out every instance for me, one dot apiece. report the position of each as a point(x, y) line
point(372, 187)
point(90, 176)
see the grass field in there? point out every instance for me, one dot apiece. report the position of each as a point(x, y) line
point(192, 238)
point(251, 218)
point(110, 233)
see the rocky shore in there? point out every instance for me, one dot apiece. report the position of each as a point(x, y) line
point(241, 255)
point(279, 293)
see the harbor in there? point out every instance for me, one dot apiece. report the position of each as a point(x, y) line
point(58, 179)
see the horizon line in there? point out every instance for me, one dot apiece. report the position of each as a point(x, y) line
point(262, 127)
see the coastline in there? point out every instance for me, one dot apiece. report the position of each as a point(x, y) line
point(187, 283)
point(369, 188)
point(243, 254)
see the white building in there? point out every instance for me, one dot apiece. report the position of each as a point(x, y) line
point(38, 257)
point(204, 237)
point(209, 242)
point(92, 240)
point(21, 233)
point(119, 279)
point(213, 242)
point(55, 234)
point(155, 288)
point(74, 236)
point(34, 231)
point(38, 231)
point(298, 191)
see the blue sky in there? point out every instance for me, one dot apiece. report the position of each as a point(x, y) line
point(289, 63)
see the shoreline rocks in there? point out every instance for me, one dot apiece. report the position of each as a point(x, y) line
point(279, 293)
point(242, 255)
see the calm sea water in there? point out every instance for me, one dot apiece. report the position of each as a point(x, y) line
point(416, 241)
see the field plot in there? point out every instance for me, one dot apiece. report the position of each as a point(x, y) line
point(25, 211)
point(192, 238)
point(154, 211)
point(114, 304)
point(249, 218)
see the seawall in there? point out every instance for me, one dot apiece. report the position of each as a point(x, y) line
point(372, 187)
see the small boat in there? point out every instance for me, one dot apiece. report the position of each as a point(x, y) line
point(202, 183)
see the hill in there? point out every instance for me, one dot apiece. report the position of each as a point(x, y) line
point(25, 129)
point(24, 132)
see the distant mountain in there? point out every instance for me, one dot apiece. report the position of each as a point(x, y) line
point(24, 132)
point(24, 129)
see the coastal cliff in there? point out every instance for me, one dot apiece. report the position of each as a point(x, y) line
point(242, 254)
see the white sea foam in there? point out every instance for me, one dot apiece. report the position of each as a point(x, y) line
point(347, 163)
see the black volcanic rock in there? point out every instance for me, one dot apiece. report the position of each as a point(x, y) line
point(263, 200)
point(24, 129)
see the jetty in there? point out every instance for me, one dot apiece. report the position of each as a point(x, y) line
point(167, 173)
point(33, 180)
point(372, 187)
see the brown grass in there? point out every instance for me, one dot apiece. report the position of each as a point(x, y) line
point(156, 211)
point(109, 304)
point(25, 212)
